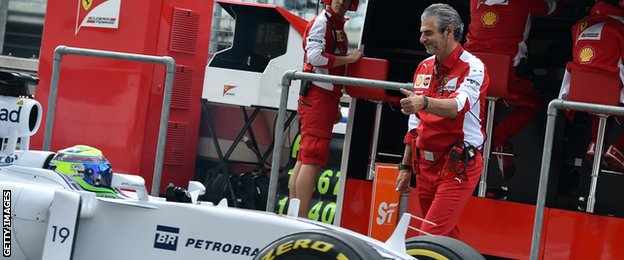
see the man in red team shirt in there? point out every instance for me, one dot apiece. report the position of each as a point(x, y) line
point(325, 45)
point(598, 45)
point(446, 110)
point(502, 27)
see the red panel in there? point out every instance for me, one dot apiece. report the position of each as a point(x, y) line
point(385, 201)
point(115, 105)
point(356, 205)
point(194, 57)
point(497, 66)
point(499, 228)
point(578, 235)
point(101, 102)
point(369, 68)
point(583, 87)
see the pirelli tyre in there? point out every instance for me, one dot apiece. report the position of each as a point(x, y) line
point(317, 245)
point(440, 248)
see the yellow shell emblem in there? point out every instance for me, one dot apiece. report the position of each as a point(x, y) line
point(419, 80)
point(489, 18)
point(586, 55)
point(86, 4)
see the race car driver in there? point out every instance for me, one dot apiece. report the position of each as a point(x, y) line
point(502, 27)
point(598, 45)
point(85, 168)
point(325, 45)
point(445, 114)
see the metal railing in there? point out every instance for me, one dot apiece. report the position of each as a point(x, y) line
point(169, 63)
point(287, 79)
point(553, 107)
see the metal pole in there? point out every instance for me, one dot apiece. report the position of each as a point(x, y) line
point(591, 199)
point(164, 117)
point(403, 200)
point(277, 148)
point(487, 148)
point(372, 159)
point(553, 106)
point(543, 181)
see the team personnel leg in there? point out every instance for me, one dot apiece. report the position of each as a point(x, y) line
point(443, 200)
point(292, 184)
point(528, 105)
point(305, 183)
point(317, 113)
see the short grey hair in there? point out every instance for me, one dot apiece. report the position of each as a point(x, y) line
point(445, 15)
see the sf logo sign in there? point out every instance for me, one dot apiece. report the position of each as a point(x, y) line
point(385, 212)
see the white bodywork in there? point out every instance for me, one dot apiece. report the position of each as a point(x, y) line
point(253, 88)
point(46, 214)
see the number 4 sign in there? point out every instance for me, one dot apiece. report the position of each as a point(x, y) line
point(64, 213)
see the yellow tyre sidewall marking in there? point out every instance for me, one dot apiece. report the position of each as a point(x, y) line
point(427, 253)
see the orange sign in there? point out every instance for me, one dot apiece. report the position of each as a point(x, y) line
point(385, 202)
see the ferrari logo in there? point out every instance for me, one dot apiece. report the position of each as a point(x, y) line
point(86, 4)
point(489, 18)
point(582, 26)
point(21, 102)
point(227, 88)
point(586, 55)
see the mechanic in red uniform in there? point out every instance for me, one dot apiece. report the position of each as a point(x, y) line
point(502, 27)
point(325, 45)
point(445, 131)
point(598, 45)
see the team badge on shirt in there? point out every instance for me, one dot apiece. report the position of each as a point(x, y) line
point(449, 84)
point(422, 81)
point(593, 32)
point(427, 81)
point(489, 18)
point(582, 26)
point(418, 81)
point(586, 54)
point(340, 36)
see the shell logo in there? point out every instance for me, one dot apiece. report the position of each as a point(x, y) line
point(489, 18)
point(419, 80)
point(86, 4)
point(586, 55)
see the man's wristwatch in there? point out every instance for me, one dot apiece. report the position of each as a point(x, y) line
point(405, 167)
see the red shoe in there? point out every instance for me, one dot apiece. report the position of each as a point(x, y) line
point(614, 159)
point(591, 150)
point(506, 166)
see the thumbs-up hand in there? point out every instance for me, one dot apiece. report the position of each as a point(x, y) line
point(412, 103)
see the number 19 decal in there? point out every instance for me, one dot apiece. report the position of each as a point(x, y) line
point(62, 232)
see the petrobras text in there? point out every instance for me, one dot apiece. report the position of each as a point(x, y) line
point(167, 238)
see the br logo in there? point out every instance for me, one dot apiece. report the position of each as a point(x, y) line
point(166, 238)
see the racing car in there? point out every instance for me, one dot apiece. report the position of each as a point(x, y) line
point(71, 205)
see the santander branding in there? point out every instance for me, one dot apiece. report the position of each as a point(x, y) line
point(10, 115)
